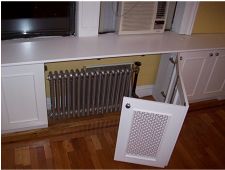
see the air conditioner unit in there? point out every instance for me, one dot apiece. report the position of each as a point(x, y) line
point(141, 17)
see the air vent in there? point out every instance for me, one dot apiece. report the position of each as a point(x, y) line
point(137, 16)
point(142, 17)
point(161, 10)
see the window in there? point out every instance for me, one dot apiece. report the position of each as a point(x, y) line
point(30, 19)
point(108, 17)
point(138, 16)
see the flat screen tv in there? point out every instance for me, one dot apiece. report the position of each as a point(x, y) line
point(32, 19)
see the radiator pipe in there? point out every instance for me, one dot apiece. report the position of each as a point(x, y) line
point(136, 71)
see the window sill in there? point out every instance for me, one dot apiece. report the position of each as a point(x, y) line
point(56, 49)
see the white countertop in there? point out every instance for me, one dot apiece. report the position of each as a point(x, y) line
point(55, 49)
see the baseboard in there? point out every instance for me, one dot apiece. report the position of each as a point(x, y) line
point(141, 91)
point(221, 97)
point(145, 90)
point(18, 130)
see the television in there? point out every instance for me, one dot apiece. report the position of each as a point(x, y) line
point(32, 19)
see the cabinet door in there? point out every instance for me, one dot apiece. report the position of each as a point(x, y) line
point(148, 130)
point(214, 76)
point(23, 98)
point(192, 68)
point(203, 74)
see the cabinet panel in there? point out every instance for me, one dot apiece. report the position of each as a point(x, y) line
point(19, 91)
point(203, 74)
point(192, 65)
point(4, 116)
point(215, 82)
point(23, 98)
point(148, 130)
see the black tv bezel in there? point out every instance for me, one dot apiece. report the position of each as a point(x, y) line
point(45, 32)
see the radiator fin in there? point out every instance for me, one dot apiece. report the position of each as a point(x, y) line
point(89, 92)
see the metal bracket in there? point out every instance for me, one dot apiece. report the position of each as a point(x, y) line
point(137, 65)
point(172, 60)
point(163, 94)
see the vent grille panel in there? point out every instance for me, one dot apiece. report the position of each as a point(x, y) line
point(146, 134)
point(161, 10)
point(142, 17)
point(138, 16)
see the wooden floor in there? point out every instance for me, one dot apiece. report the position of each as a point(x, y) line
point(201, 144)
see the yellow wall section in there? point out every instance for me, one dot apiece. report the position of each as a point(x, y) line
point(147, 75)
point(210, 18)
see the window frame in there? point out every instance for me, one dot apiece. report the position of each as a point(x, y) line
point(183, 21)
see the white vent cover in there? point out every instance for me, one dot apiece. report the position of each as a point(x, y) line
point(142, 17)
point(146, 134)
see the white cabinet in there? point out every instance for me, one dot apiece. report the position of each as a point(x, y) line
point(214, 76)
point(203, 74)
point(23, 98)
point(148, 130)
point(192, 68)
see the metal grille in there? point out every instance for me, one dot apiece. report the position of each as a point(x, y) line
point(146, 134)
point(89, 91)
point(138, 16)
point(161, 10)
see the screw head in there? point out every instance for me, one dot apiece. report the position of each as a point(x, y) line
point(128, 105)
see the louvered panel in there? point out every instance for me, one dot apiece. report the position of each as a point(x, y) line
point(138, 16)
point(161, 10)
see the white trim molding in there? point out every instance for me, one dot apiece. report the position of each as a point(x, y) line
point(87, 18)
point(145, 90)
point(185, 17)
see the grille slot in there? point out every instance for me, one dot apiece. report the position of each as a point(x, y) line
point(146, 134)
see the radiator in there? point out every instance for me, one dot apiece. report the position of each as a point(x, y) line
point(89, 91)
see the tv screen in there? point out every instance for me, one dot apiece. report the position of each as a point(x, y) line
point(30, 19)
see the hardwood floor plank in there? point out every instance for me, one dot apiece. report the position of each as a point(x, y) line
point(93, 153)
point(217, 163)
point(48, 155)
point(187, 159)
point(48, 151)
point(109, 139)
point(22, 157)
point(96, 142)
point(42, 163)
point(68, 146)
point(67, 127)
point(26, 156)
point(7, 157)
point(80, 155)
point(201, 144)
point(60, 159)
point(34, 158)
point(18, 156)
